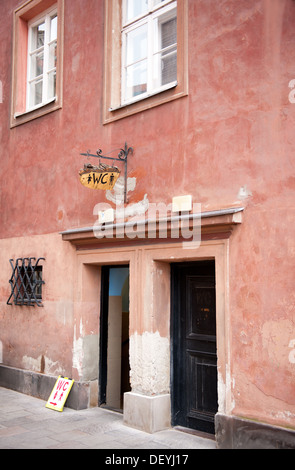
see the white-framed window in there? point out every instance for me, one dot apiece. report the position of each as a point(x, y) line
point(149, 48)
point(37, 60)
point(42, 59)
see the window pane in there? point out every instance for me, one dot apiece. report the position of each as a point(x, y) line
point(136, 45)
point(136, 8)
point(37, 63)
point(165, 68)
point(156, 2)
point(168, 33)
point(51, 85)
point(136, 80)
point(36, 93)
point(169, 67)
point(38, 281)
point(38, 36)
point(53, 27)
point(52, 56)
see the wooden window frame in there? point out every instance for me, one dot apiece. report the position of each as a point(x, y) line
point(147, 20)
point(113, 109)
point(44, 49)
point(22, 16)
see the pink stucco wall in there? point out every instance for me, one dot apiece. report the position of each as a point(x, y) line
point(229, 143)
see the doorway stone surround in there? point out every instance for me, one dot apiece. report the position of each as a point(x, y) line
point(147, 406)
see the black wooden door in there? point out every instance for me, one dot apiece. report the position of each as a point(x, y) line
point(194, 359)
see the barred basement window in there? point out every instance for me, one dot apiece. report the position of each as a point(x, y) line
point(26, 282)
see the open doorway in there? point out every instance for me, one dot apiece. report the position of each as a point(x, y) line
point(114, 337)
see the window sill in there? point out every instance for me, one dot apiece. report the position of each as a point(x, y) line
point(39, 106)
point(38, 111)
point(143, 104)
point(144, 96)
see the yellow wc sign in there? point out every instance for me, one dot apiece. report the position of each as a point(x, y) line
point(59, 393)
point(102, 177)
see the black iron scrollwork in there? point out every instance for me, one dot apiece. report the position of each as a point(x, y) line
point(122, 157)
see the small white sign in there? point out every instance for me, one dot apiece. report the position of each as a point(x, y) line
point(182, 203)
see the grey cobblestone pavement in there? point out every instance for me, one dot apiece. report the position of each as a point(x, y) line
point(25, 423)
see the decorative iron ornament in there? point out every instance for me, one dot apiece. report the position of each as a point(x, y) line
point(26, 282)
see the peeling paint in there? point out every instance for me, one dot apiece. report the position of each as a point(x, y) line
point(116, 195)
point(81, 327)
point(244, 193)
point(230, 385)
point(149, 363)
point(226, 402)
point(85, 357)
point(221, 394)
point(292, 353)
point(42, 364)
point(132, 210)
point(285, 415)
point(78, 352)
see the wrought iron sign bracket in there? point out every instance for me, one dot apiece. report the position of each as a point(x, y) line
point(122, 157)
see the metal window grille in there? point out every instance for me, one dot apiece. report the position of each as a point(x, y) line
point(26, 282)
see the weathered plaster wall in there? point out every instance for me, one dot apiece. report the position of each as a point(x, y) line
point(39, 338)
point(262, 318)
point(62, 336)
point(229, 142)
point(149, 363)
point(87, 285)
point(241, 60)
